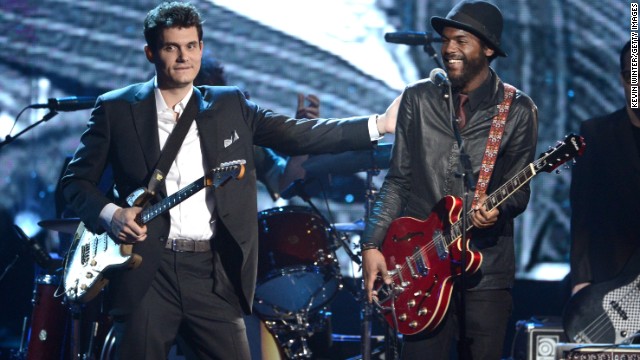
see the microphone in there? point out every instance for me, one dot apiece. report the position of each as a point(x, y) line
point(410, 38)
point(297, 188)
point(39, 254)
point(71, 103)
point(439, 77)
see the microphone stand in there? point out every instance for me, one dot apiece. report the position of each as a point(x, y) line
point(9, 139)
point(466, 173)
point(428, 48)
point(367, 307)
point(469, 187)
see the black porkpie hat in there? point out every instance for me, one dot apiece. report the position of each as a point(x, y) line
point(480, 18)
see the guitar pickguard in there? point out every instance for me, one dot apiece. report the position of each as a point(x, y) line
point(623, 309)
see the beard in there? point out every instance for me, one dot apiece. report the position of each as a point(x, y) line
point(472, 67)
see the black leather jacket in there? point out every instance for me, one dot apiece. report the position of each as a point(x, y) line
point(425, 163)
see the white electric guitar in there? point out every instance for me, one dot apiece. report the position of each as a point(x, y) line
point(90, 255)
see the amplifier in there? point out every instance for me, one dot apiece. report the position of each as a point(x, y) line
point(536, 338)
point(571, 351)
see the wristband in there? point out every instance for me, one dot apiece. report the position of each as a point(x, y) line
point(368, 246)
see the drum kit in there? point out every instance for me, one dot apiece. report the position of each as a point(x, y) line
point(298, 277)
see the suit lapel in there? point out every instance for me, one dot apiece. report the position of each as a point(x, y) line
point(207, 128)
point(146, 126)
point(145, 121)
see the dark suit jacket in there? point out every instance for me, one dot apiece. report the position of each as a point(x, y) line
point(605, 199)
point(123, 133)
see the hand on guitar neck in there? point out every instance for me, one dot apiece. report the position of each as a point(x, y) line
point(481, 217)
point(124, 226)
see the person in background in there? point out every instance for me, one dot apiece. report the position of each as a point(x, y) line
point(199, 268)
point(424, 168)
point(603, 213)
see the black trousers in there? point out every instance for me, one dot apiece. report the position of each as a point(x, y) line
point(487, 315)
point(181, 301)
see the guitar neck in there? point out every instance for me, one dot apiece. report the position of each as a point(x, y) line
point(169, 202)
point(497, 197)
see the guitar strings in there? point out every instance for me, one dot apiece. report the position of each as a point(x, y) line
point(454, 228)
point(597, 328)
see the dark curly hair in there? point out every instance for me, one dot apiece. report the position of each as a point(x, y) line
point(211, 73)
point(169, 15)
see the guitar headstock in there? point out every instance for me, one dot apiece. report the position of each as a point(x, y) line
point(226, 170)
point(565, 150)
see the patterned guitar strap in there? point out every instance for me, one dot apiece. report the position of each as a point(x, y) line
point(493, 143)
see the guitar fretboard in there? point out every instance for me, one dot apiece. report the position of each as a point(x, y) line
point(169, 202)
point(498, 196)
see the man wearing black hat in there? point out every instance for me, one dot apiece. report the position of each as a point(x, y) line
point(424, 168)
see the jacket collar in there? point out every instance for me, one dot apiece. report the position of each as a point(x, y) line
point(145, 121)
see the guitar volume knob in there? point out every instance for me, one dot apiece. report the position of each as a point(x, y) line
point(422, 311)
point(411, 303)
point(402, 317)
point(413, 324)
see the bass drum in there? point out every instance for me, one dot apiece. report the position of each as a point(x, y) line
point(49, 321)
point(297, 266)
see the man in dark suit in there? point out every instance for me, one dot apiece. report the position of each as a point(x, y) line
point(605, 192)
point(199, 263)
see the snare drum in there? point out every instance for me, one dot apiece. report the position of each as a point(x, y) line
point(48, 321)
point(297, 267)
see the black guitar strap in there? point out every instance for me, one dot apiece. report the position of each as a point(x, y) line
point(174, 141)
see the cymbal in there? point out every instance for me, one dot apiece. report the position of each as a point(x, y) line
point(349, 162)
point(356, 226)
point(66, 226)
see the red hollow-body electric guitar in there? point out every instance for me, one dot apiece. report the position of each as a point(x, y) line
point(423, 256)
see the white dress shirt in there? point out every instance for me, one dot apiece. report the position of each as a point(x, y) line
point(192, 218)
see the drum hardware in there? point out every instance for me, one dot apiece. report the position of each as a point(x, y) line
point(89, 328)
point(21, 352)
point(66, 226)
point(356, 226)
point(371, 161)
point(109, 347)
point(292, 334)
